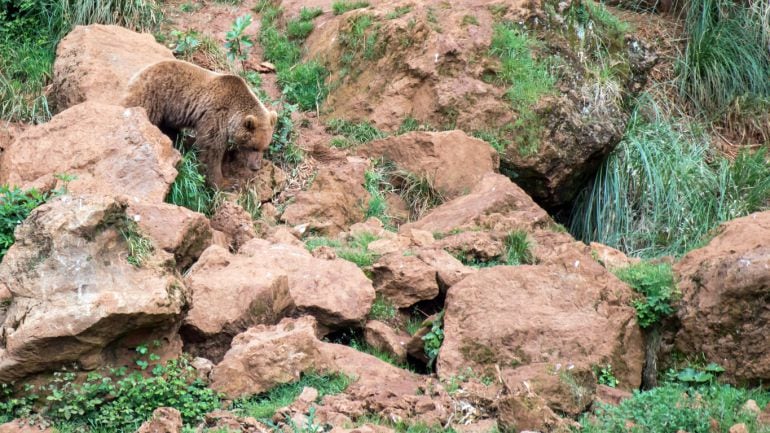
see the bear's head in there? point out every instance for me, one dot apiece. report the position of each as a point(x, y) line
point(253, 135)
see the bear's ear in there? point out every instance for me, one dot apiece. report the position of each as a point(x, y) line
point(273, 118)
point(250, 123)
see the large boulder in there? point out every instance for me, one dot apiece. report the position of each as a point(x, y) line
point(495, 203)
point(110, 150)
point(725, 286)
point(406, 279)
point(74, 292)
point(95, 63)
point(432, 64)
point(264, 282)
point(265, 356)
point(191, 233)
point(335, 200)
point(546, 328)
point(452, 160)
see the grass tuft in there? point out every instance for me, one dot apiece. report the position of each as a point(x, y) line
point(339, 7)
point(518, 249)
point(655, 282)
point(263, 406)
point(189, 188)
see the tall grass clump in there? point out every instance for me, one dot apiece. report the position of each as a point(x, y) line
point(726, 56)
point(189, 188)
point(657, 194)
point(29, 32)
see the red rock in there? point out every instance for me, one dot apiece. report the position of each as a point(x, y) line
point(454, 161)
point(164, 420)
point(233, 220)
point(109, 150)
point(95, 63)
point(723, 285)
point(24, 426)
point(333, 201)
point(543, 325)
point(74, 292)
point(495, 203)
point(383, 337)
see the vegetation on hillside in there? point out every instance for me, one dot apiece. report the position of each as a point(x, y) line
point(29, 32)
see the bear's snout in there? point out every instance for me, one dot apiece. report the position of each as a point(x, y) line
point(255, 160)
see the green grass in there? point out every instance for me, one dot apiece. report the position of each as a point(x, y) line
point(495, 138)
point(353, 250)
point(518, 248)
point(418, 192)
point(673, 407)
point(376, 183)
point(339, 7)
point(29, 32)
point(360, 40)
point(140, 248)
point(726, 55)
point(263, 406)
point(410, 124)
point(189, 188)
point(398, 12)
point(354, 133)
point(658, 194)
point(382, 309)
point(655, 282)
point(304, 84)
point(529, 79)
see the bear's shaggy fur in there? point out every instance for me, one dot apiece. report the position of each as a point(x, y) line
point(222, 110)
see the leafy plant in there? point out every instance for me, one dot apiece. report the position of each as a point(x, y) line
point(434, 338)
point(605, 376)
point(236, 42)
point(655, 282)
point(672, 407)
point(187, 42)
point(115, 399)
point(339, 7)
point(15, 207)
point(282, 148)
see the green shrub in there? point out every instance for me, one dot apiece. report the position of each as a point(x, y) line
point(673, 407)
point(434, 338)
point(189, 188)
point(263, 406)
point(339, 7)
point(655, 282)
point(115, 399)
point(657, 193)
point(304, 84)
point(237, 44)
point(15, 207)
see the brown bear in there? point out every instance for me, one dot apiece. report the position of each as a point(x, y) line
point(221, 108)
